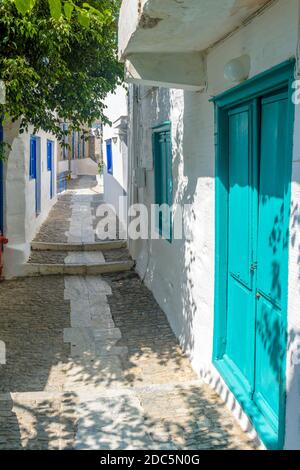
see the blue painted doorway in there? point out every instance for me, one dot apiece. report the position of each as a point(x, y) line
point(35, 170)
point(50, 165)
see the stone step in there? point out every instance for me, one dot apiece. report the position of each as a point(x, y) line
point(96, 246)
point(79, 257)
point(38, 269)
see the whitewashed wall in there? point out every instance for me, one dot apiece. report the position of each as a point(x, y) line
point(115, 185)
point(181, 274)
point(21, 222)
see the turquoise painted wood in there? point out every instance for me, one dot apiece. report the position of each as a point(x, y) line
point(162, 153)
point(241, 312)
point(272, 245)
point(254, 149)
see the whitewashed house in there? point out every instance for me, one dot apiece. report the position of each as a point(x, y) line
point(115, 152)
point(213, 125)
point(28, 191)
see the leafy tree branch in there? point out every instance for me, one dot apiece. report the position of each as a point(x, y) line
point(58, 60)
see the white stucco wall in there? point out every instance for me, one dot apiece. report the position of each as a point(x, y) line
point(85, 166)
point(62, 166)
point(20, 221)
point(181, 274)
point(115, 185)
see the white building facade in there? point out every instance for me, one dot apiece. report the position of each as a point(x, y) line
point(212, 85)
point(115, 152)
point(29, 192)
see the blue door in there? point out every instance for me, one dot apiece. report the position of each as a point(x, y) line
point(1, 188)
point(83, 148)
point(109, 157)
point(50, 165)
point(35, 171)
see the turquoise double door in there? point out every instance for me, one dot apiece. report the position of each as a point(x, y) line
point(257, 138)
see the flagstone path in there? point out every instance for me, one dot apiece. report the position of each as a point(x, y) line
point(91, 361)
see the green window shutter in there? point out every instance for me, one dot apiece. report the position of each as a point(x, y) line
point(162, 152)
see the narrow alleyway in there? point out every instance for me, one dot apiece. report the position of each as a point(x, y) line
point(91, 360)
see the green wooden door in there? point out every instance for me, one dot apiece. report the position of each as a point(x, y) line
point(272, 245)
point(257, 239)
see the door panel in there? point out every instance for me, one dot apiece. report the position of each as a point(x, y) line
point(268, 360)
point(240, 314)
point(272, 244)
point(257, 240)
point(240, 196)
point(272, 233)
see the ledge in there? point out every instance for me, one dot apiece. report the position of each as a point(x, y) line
point(162, 43)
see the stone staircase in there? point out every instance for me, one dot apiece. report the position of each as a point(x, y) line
point(78, 258)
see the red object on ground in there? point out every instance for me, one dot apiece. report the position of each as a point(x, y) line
point(3, 241)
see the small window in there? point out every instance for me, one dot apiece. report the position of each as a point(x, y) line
point(32, 162)
point(162, 154)
point(109, 157)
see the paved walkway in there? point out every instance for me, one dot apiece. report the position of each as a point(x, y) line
point(92, 362)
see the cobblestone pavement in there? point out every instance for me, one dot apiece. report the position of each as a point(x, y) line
point(55, 229)
point(92, 363)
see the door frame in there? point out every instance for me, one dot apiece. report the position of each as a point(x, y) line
point(267, 82)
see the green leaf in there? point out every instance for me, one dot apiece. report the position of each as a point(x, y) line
point(6, 118)
point(55, 8)
point(24, 6)
point(68, 9)
point(83, 19)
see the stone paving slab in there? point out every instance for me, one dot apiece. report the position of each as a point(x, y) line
point(85, 258)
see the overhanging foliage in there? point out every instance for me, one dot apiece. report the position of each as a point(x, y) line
point(58, 61)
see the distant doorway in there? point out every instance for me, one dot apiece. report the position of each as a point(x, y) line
point(50, 165)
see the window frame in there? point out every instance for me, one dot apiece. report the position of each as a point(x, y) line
point(161, 187)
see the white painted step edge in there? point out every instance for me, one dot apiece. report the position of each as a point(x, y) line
point(34, 269)
point(96, 246)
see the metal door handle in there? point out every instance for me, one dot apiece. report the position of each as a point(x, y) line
point(258, 295)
